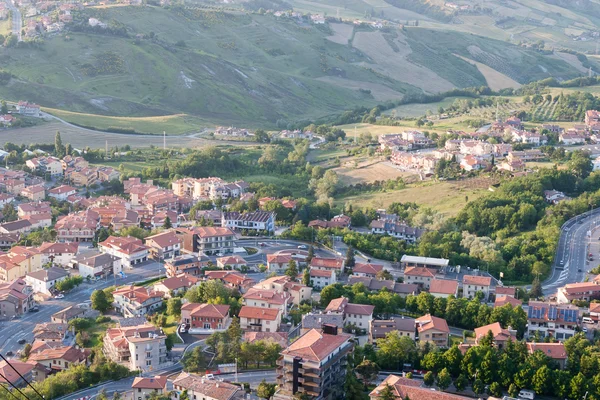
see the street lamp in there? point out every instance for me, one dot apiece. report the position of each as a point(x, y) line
point(236, 371)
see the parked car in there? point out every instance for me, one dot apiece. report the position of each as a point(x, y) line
point(22, 341)
point(303, 247)
point(59, 296)
point(34, 309)
point(9, 354)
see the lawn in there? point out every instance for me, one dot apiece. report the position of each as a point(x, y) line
point(319, 155)
point(177, 124)
point(171, 328)
point(444, 197)
point(97, 332)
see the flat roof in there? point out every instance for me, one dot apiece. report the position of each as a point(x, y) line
point(441, 262)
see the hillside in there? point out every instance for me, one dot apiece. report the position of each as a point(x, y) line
point(238, 68)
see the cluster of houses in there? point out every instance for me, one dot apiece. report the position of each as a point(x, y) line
point(231, 131)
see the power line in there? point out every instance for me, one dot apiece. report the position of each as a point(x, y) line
point(11, 393)
point(22, 377)
point(11, 384)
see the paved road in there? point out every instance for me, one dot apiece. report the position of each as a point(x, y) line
point(570, 262)
point(12, 331)
point(16, 19)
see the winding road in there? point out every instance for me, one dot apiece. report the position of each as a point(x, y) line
point(17, 22)
point(570, 264)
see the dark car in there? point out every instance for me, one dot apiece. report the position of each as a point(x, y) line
point(34, 309)
point(22, 341)
point(9, 354)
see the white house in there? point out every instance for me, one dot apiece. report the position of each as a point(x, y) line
point(130, 250)
point(571, 138)
point(320, 278)
point(96, 264)
point(58, 253)
point(44, 280)
point(62, 192)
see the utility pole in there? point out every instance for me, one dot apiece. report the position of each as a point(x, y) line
point(164, 140)
point(106, 148)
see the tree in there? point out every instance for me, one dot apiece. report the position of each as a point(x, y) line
point(461, 383)
point(513, 390)
point(174, 306)
point(311, 254)
point(478, 386)
point(194, 361)
point(68, 149)
point(495, 389)
point(26, 351)
point(261, 136)
point(428, 378)
point(59, 148)
point(368, 371)
point(3, 108)
point(384, 274)
point(444, 379)
point(266, 390)
point(350, 260)
point(100, 301)
point(387, 393)
point(292, 270)
point(536, 288)
point(306, 277)
point(167, 224)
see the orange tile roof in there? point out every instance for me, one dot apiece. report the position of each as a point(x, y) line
point(315, 345)
point(206, 310)
point(443, 286)
point(269, 314)
point(477, 280)
point(157, 382)
point(334, 263)
point(509, 291)
point(503, 300)
point(498, 332)
point(428, 322)
point(179, 281)
point(404, 388)
point(418, 271)
point(367, 268)
point(269, 296)
point(67, 353)
point(555, 351)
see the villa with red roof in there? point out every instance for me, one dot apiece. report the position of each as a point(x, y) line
point(164, 245)
point(433, 329)
point(366, 269)
point(259, 319)
point(327, 264)
point(176, 285)
point(136, 301)
point(419, 276)
point(205, 317)
point(499, 335)
point(404, 388)
point(235, 262)
point(144, 387)
point(265, 298)
point(555, 351)
point(473, 284)
point(443, 288)
point(320, 278)
point(358, 315)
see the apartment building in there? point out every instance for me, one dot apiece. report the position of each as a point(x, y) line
point(130, 250)
point(140, 346)
point(252, 221)
point(44, 280)
point(548, 319)
point(283, 284)
point(314, 365)
point(95, 264)
point(62, 192)
point(208, 240)
point(356, 315)
point(328, 264)
point(16, 298)
point(18, 262)
point(136, 301)
point(34, 192)
point(265, 298)
point(419, 276)
point(164, 245)
point(190, 264)
point(58, 253)
point(381, 327)
point(585, 291)
point(77, 227)
point(396, 230)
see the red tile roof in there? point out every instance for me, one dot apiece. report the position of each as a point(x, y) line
point(477, 280)
point(503, 300)
point(418, 271)
point(428, 322)
point(315, 345)
point(555, 351)
point(368, 268)
point(443, 286)
point(206, 310)
point(157, 382)
point(333, 263)
point(269, 314)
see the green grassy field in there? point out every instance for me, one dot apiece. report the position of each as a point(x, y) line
point(171, 124)
point(444, 197)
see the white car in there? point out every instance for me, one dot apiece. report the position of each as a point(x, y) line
point(303, 247)
point(59, 296)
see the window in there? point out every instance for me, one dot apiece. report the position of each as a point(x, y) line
point(148, 362)
point(148, 354)
point(139, 390)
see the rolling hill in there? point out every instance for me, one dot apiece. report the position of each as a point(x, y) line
point(246, 68)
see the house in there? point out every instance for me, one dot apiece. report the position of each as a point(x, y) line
point(571, 138)
point(123, 218)
point(136, 301)
point(366, 269)
point(144, 387)
point(375, 285)
point(473, 284)
point(33, 208)
point(208, 240)
point(15, 227)
point(499, 335)
point(548, 319)
point(339, 221)
point(419, 276)
point(380, 328)
point(443, 288)
point(205, 318)
point(259, 319)
point(404, 388)
point(50, 332)
point(61, 358)
point(473, 163)
point(8, 240)
point(34, 193)
point(136, 344)
point(232, 279)
point(235, 262)
point(278, 263)
point(62, 192)
point(503, 299)
point(356, 315)
point(267, 298)
point(70, 313)
point(506, 291)
point(176, 285)
point(6, 119)
point(396, 229)
point(321, 278)
point(38, 221)
point(250, 221)
point(164, 245)
point(58, 254)
point(77, 227)
point(18, 262)
point(107, 174)
point(327, 264)
point(298, 292)
point(186, 264)
point(199, 387)
point(555, 197)
point(81, 176)
point(322, 358)
point(28, 109)
point(585, 291)
point(130, 250)
point(45, 165)
point(433, 329)
point(96, 264)
point(556, 351)
point(16, 298)
point(44, 281)
point(6, 198)
point(24, 372)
